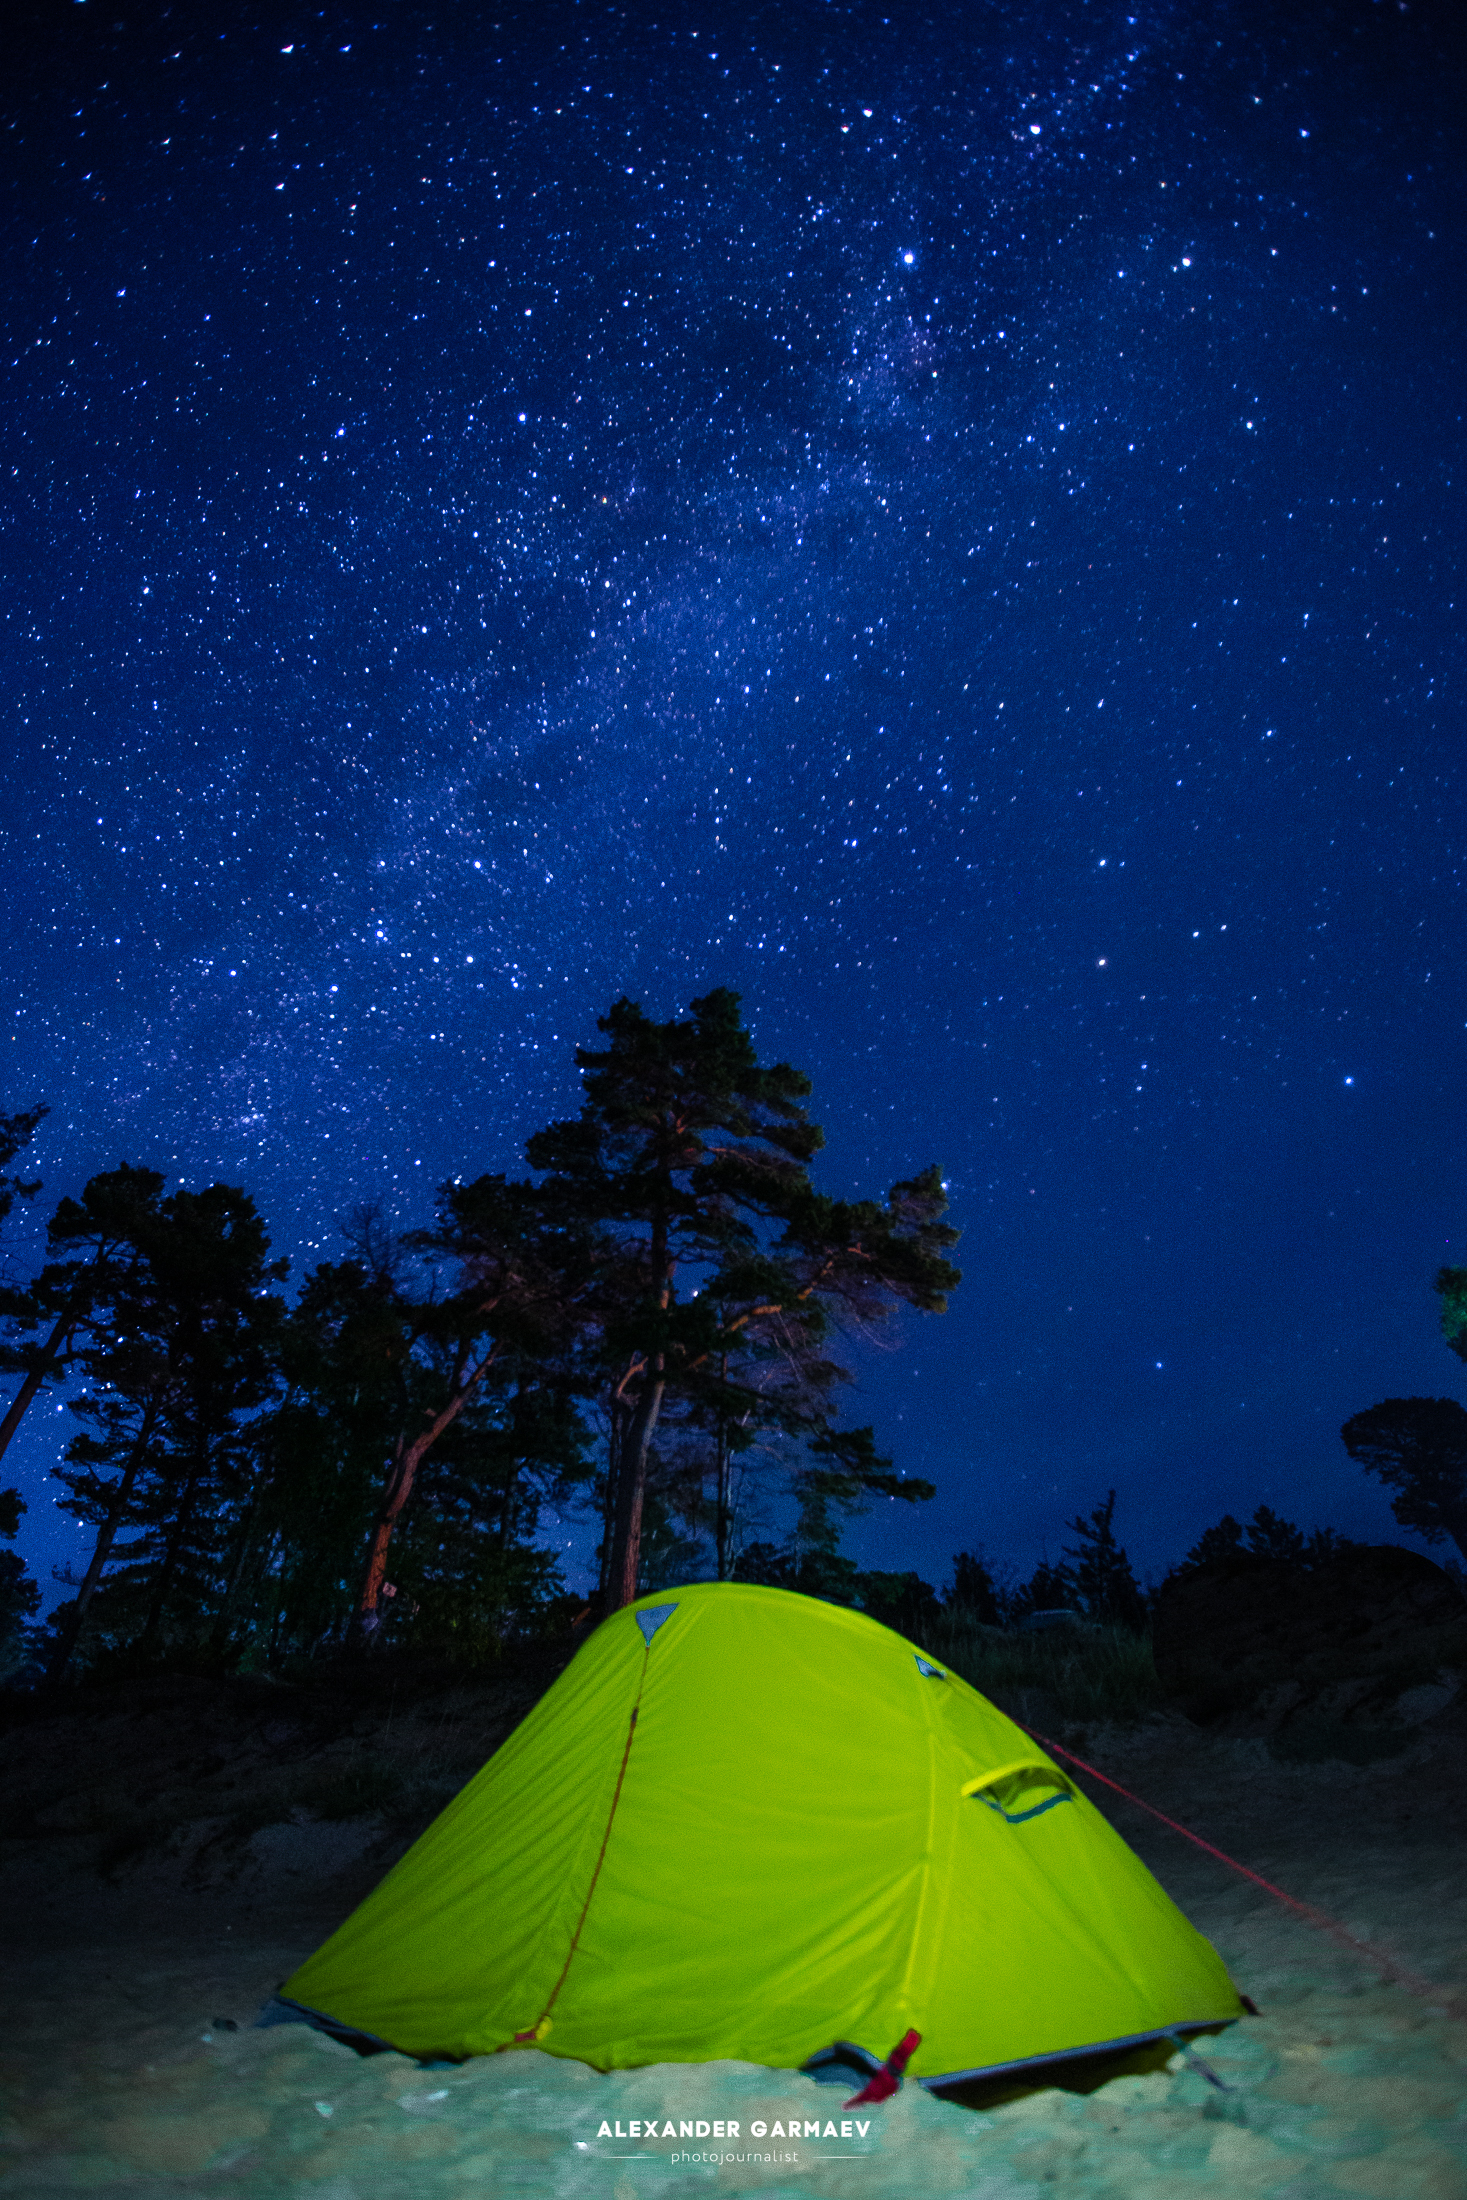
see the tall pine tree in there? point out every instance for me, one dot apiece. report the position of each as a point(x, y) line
point(95, 1245)
point(176, 1382)
point(716, 1250)
point(517, 1278)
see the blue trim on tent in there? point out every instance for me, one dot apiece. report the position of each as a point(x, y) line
point(826, 2065)
point(1017, 1817)
point(1172, 2032)
point(834, 2065)
point(279, 2009)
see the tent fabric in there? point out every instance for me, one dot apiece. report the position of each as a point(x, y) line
point(747, 1824)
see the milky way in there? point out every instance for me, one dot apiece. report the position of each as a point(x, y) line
point(944, 520)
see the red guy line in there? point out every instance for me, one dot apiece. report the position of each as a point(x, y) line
point(1388, 1965)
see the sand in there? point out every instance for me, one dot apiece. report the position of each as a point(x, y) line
point(119, 2079)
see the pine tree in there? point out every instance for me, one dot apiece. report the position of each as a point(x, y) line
point(209, 1262)
point(520, 1278)
point(469, 1554)
point(1099, 1572)
point(1266, 1536)
point(16, 1133)
point(1418, 1448)
point(94, 1243)
point(974, 1593)
point(720, 1263)
point(175, 1383)
point(1218, 1544)
point(903, 1601)
point(682, 1137)
point(105, 1465)
point(1048, 1589)
point(1451, 1288)
point(20, 1597)
point(348, 1390)
point(1270, 1536)
point(101, 1293)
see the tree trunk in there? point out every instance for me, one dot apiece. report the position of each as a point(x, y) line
point(50, 1353)
point(169, 1567)
point(106, 1535)
point(614, 1436)
point(626, 1551)
point(220, 1632)
point(631, 1489)
point(722, 1524)
point(399, 1490)
point(409, 1457)
point(722, 1512)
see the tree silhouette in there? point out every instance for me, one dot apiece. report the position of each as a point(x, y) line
point(16, 1133)
point(20, 1597)
point(1271, 1536)
point(1418, 1448)
point(681, 1138)
point(1266, 1536)
point(1048, 1589)
point(521, 1272)
point(1217, 1544)
point(974, 1592)
point(327, 1443)
point(176, 1376)
point(722, 1266)
point(95, 1244)
point(1099, 1572)
point(1451, 1286)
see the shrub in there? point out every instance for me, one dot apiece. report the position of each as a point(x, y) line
point(1073, 1675)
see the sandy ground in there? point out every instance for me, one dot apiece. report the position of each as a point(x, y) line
point(120, 2079)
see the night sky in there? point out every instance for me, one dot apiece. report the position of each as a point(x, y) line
point(945, 520)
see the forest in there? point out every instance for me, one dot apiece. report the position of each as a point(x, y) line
point(649, 1335)
point(645, 1332)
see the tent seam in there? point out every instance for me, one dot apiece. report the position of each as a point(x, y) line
point(917, 1942)
point(534, 2032)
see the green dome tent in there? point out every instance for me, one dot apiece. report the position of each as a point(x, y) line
point(748, 1824)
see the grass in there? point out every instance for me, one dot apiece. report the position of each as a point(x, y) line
point(1073, 1676)
point(406, 1798)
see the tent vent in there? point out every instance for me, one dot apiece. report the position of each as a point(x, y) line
point(933, 1672)
point(649, 1622)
